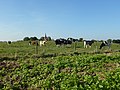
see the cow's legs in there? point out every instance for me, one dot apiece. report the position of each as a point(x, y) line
point(85, 46)
point(89, 46)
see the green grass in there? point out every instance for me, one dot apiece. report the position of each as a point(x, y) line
point(64, 67)
point(22, 48)
point(86, 72)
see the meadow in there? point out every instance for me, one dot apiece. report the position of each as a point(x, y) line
point(22, 48)
point(24, 67)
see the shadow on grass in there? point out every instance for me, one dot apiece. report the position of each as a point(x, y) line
point(8, 58)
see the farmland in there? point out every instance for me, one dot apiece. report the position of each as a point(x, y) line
point(59, 68)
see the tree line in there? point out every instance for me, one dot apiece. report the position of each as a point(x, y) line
point(48, 39)
point(35, 38)
point(80, 39)
point(116, 41)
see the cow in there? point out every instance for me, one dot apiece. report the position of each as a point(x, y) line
point(29, 42)
point(59, 41)
point(66, 42)
point(62, 42)
point(33, 43)
point(9, 42)
point(73, 40)
point(42, 43)
point(105, 43)
point(88, 43)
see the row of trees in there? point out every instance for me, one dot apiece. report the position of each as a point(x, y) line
point(116, 41)
point(48, 39)
point(35, 38)
point(80, 39)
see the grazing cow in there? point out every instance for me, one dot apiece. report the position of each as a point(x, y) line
point(33, 43)
point(9, 42)
point(29, 42)
point(105, 43)
point(73, 40)
point(42, 43)
point(59, 41)
point(62, 42)
point(88, 43)
point(66, 42)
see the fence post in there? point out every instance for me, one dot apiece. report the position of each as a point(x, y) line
point(96, 50)
point(75, 46)
point(36, 49)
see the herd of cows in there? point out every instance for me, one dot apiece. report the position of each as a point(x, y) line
point(87, 43)
point(61, 41)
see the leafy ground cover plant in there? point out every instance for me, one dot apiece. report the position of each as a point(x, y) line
point(99, 72)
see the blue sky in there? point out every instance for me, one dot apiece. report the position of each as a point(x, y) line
point(88, 19)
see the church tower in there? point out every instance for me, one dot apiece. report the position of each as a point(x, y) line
point(45, 38)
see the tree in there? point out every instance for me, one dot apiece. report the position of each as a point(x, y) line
point(80, 39)
point(26, 39)
point(33, 38)
point(42, 38)
point(94, 40)
point(49, 38)
point(116, 41)
point(109, 40)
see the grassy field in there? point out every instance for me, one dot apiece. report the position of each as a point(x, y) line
point(21, 48)
point(59, 68)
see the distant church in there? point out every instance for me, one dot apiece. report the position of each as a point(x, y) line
point(45, 37)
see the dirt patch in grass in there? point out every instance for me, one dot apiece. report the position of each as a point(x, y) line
point(111, 66)
point(9, 64)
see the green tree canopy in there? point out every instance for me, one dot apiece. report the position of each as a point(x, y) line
point(26, 39)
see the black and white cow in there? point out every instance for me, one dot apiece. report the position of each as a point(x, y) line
point(66, 42)
point(88, 43)
point(105, 43)
point(30, 42)
point(9, 42)
point(42, 43)
point(62, 42)
point(59, 41)
point(73, 40)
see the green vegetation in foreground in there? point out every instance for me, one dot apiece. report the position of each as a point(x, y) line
point(78, 72)
point(64, 68)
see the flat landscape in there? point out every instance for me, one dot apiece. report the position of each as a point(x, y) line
point(59, 45)
point(22, 48)
point(66, 67)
